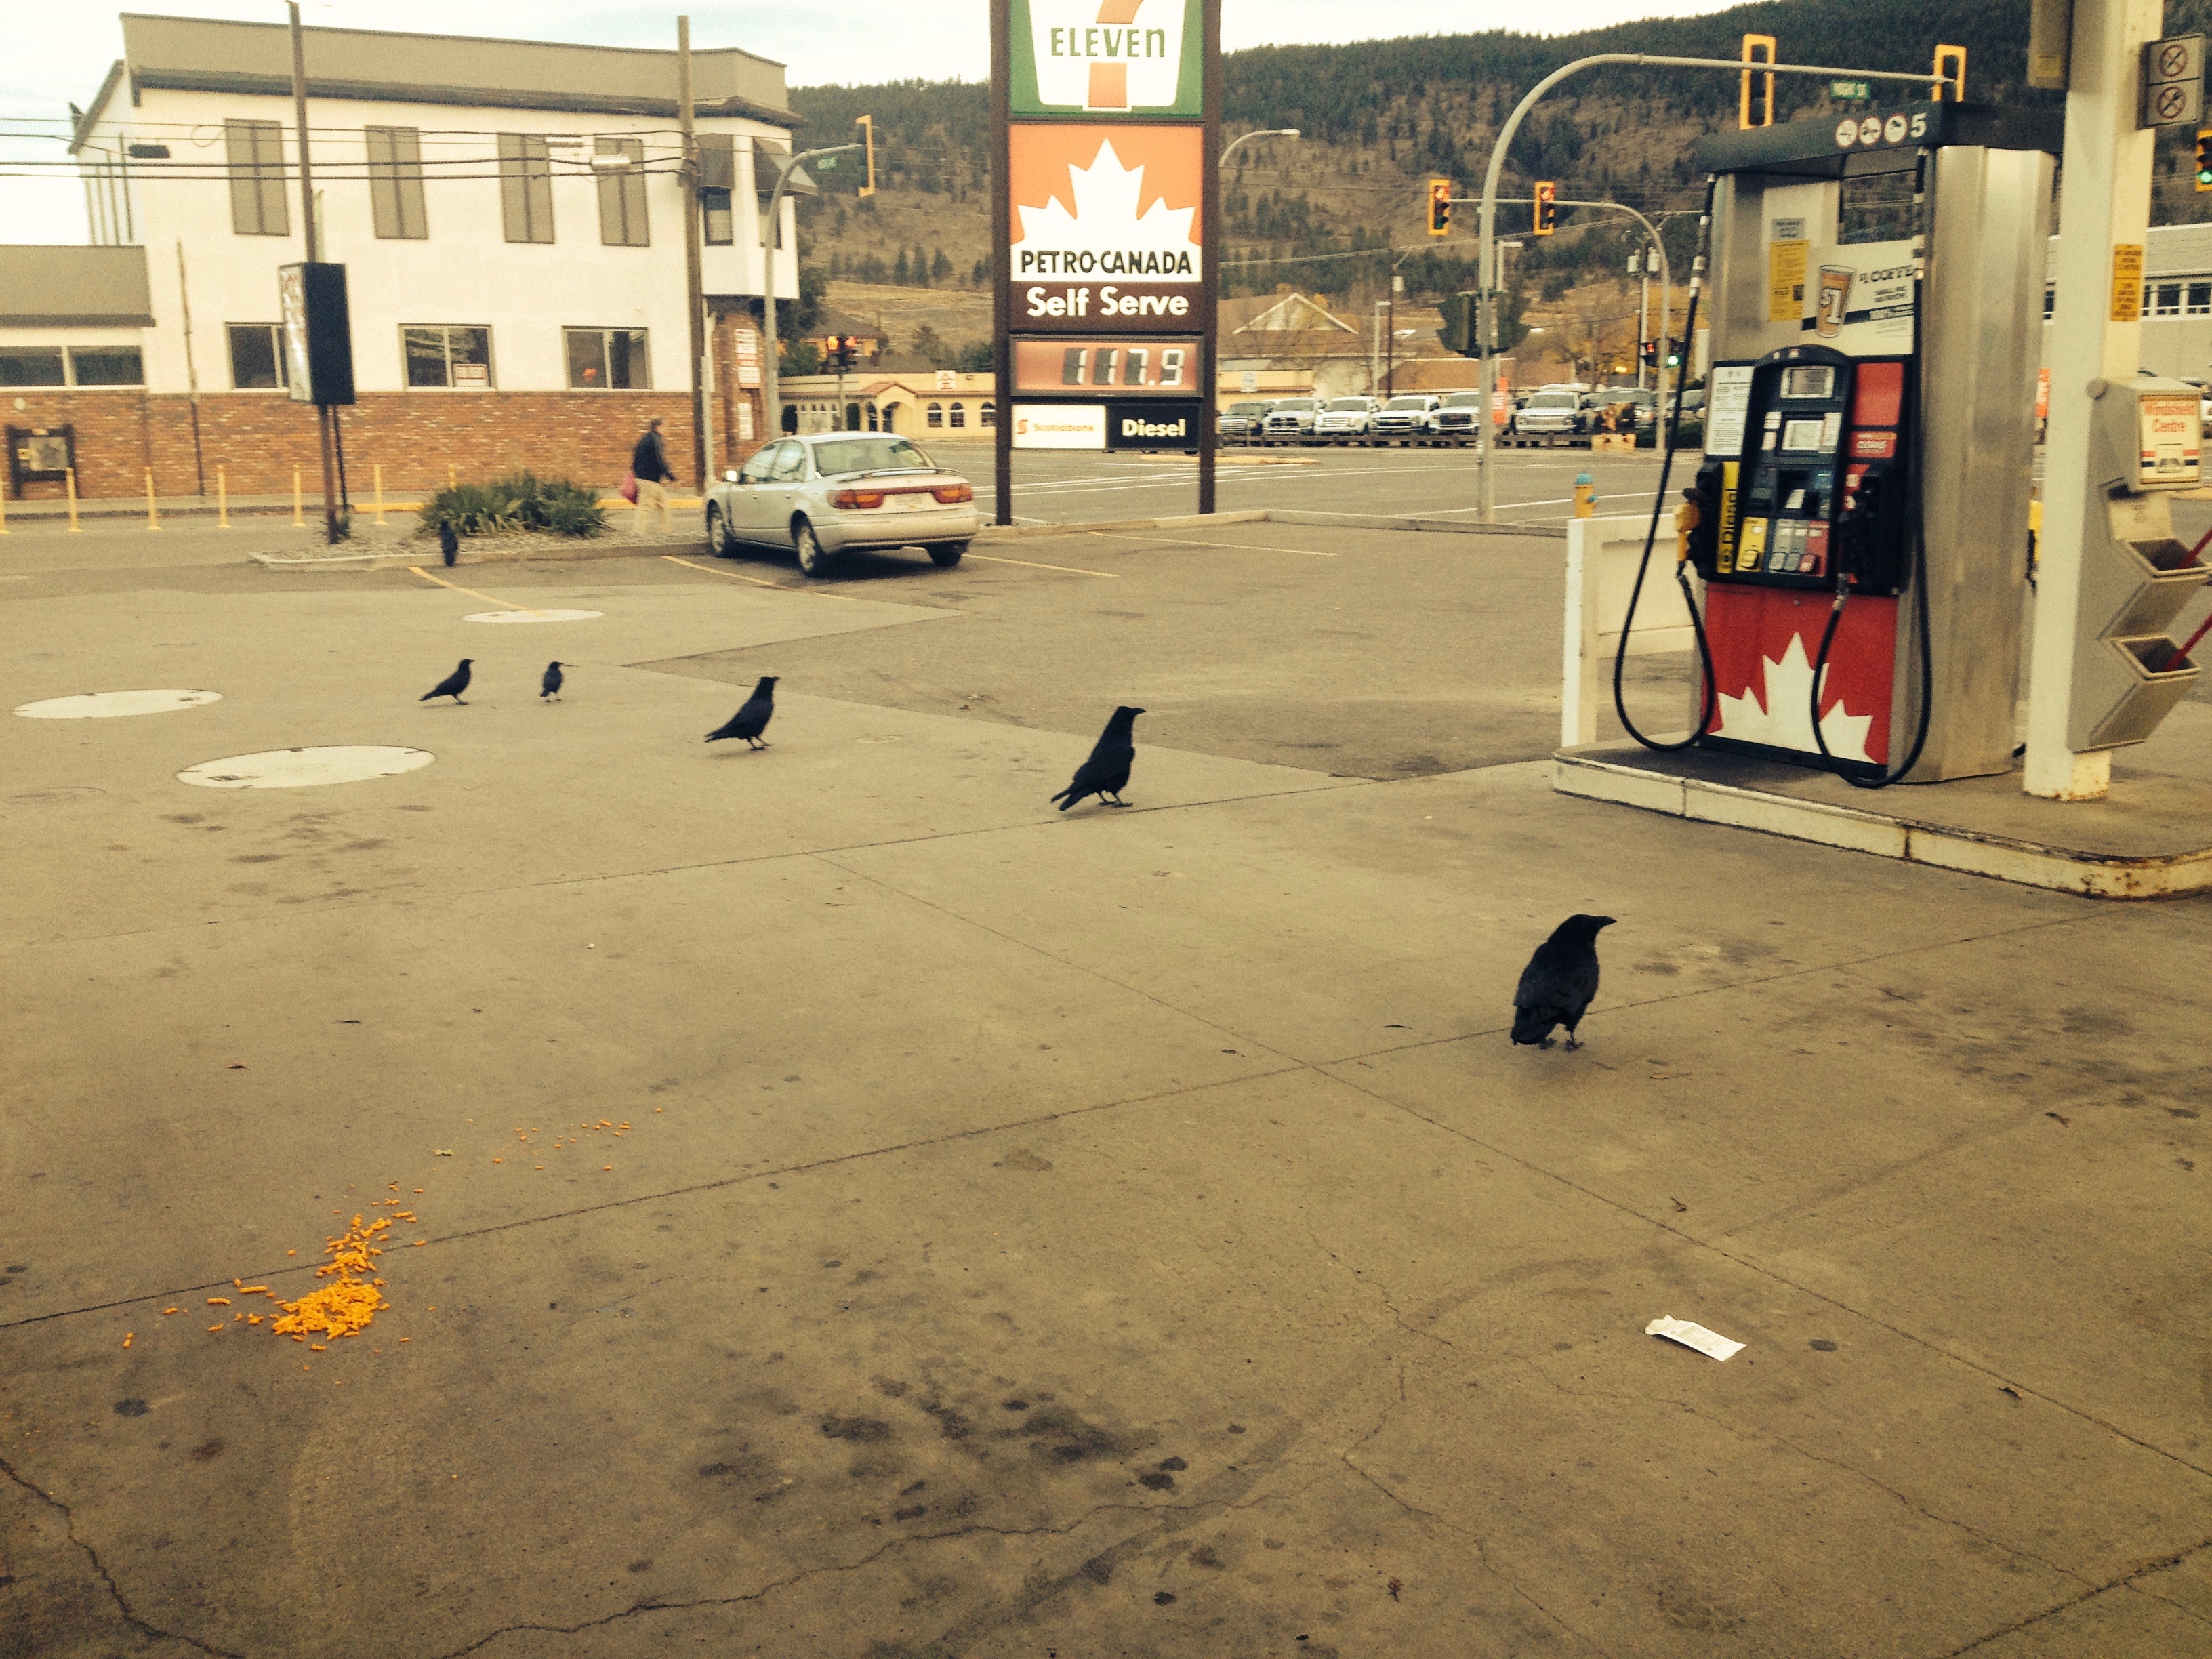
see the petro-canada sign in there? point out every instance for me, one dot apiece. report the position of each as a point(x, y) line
point(1104, 228)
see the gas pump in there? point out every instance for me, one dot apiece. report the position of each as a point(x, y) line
point(1875, 293)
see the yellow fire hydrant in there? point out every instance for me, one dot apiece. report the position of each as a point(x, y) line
point(1585, 496)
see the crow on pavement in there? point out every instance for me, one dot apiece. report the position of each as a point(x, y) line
point(453, 685)
point(749, 722)
point(550, 686)
point(1107, 771)
point(449, 545)
point(1558, 982)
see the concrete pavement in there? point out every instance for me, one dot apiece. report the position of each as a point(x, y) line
point(1116, 1233)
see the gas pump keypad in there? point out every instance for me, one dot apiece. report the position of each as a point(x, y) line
point(1817, 423)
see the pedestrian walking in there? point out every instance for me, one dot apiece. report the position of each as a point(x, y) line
point(648, 465)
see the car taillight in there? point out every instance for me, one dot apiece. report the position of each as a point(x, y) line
point(952, 494)
point(857, 498)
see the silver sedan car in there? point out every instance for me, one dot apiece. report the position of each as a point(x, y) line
point(830, 491)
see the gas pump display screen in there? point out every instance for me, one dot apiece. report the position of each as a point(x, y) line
point(1817, 381)
point(1804, 434)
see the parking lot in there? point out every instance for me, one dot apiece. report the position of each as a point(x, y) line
point(843, 1206)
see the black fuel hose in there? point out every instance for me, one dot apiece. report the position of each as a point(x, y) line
point(1919, 544)
point(1651, 535)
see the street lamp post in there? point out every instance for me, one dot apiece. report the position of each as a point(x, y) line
point(770, 369)
point(1229, 148)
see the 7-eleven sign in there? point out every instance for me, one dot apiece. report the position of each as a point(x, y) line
point(1106, 58)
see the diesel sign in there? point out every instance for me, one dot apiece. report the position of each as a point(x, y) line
point(1154, 424)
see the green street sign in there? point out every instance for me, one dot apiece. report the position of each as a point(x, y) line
point(1848, 89)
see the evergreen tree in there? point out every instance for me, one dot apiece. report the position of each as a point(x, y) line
point(939, 267)
point(898, 271)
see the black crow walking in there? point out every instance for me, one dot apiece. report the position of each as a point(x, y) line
point(453, 685)
point(1107, 772)
point(1558, 982)
point(550, 686)
point(752, 720)
point(449, 545)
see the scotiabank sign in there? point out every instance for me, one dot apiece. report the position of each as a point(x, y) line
point(1105, 227)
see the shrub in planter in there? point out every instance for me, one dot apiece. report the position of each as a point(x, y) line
point(520, 502)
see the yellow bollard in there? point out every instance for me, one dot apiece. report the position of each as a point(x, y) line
point(452, 477)
point(153, 514)
point(379, 498)
point(68, 479)
point(1585, 496)
point(3, 512)
point(222, 500)
point(299, 503)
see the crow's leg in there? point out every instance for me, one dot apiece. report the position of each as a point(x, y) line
point(1573, 1042)
point(1118, 801)
point(1543, 1043)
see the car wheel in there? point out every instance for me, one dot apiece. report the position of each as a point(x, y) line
point(719, 542)
point(813, 557)
point(947, 554)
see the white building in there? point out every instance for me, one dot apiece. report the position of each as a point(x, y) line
point(488, 261)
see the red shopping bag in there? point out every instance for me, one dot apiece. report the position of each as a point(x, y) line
point(630, 490)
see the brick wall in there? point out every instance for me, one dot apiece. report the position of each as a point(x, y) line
point(413, 435)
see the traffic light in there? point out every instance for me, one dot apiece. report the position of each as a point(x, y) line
point(2204, 160)
point(868, 126)
point(1548, 210)
point(1439, 206)
point(1458, 332)
point(1648, 351)
point(1674, 354)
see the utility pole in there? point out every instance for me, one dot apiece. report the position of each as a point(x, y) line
point(694, 292)
point(314, 255)
point(1643, 311)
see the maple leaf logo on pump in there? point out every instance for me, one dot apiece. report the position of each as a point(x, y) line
point(1102, 235)
point(1786, 720)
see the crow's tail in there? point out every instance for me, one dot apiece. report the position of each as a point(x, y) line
point(1066, 798)
point(1534, 1024)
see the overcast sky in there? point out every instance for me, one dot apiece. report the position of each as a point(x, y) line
point(57, 54)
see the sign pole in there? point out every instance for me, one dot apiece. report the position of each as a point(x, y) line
point(1209, 236)
point(1002, 273)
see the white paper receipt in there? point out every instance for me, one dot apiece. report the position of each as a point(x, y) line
point(1693, 1336)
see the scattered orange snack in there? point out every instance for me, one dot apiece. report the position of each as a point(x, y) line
point(218, 1302)
point(127, 1336)
point(606, 1166)
point(291, 1252)
point(254, 1319)
point(499, 1160)
point(406, 1338)
point(165, 1311)
point(420, 1243)
point(319, 1348)
point(253, 1290)
point(217, 1328)
point(540, 1166)
point(418, 1189)
point(660, 1108)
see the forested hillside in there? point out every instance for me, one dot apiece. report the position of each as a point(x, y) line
point(1380, 117)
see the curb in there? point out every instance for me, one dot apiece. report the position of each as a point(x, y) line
point(617, 547)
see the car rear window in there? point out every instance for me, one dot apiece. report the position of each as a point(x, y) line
point(867, 455)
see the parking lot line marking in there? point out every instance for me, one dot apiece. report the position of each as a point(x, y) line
point(473, 593)
point(780, 587)
point(1192, 541)
point(1033, 565)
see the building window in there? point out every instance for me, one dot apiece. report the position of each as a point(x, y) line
point(2200, 299)
point(608, 357)
point(934, 415)
point(257, 356)
point(2168, 298)
point(622, 194)
point(256, 153)
point(719, 225)
point(525, 187)
point(32, 366)
point(106, 365)
point(2049, 301)
point(960, 415)
point(448, 357)
point(991, 418)
point(872, 417)
point(395, 182)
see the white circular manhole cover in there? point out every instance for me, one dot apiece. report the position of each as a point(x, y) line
point(296, 769)
point(534, 616)
point(105, 705)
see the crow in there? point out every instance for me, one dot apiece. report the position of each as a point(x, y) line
point(453, 685)
point(752, 720)
point(1558, 982)
point(449, 545)
point(1107, 772)
point(550, 686)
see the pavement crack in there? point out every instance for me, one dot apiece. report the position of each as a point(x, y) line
point(114, 1591)
point(2126, 1580)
